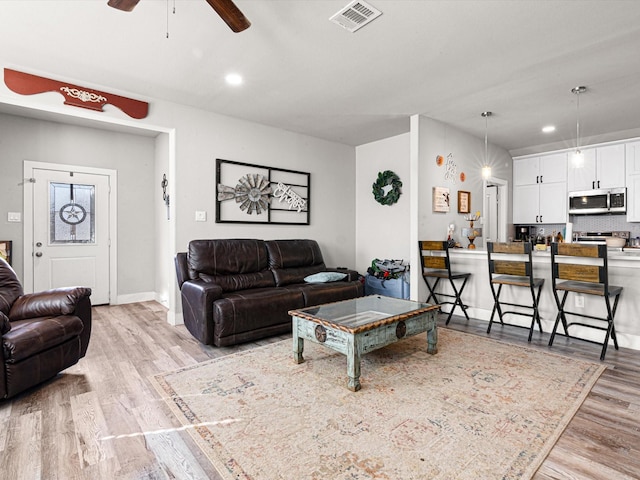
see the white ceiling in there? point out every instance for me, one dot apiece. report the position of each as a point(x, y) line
point(449, 60)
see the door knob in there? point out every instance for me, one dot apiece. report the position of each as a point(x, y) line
point(39, 244)
point(38, 254)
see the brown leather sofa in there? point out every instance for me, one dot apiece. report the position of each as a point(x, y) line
point(42, 333)
point(241, 290)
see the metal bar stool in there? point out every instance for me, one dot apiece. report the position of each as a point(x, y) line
point(583, 270)
point(436, 265)
point(510, 264)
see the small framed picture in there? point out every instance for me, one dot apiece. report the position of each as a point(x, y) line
point(5, 250)
point(441, 199)
point(464, 201)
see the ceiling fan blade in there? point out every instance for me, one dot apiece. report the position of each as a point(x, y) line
point(124, 5)
point(229, 13)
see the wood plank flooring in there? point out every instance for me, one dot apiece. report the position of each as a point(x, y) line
point(101, 419)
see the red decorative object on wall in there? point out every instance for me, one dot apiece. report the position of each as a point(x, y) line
point(27, 84)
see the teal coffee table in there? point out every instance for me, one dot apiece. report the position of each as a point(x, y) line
point(361, 325)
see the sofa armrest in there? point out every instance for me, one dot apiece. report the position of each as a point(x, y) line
point(197, 308)
point(59, 301)
point(352, 275)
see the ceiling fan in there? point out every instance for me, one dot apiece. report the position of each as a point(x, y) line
point(225, 8)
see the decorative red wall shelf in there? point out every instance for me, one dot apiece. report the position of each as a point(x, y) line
point(27, 84)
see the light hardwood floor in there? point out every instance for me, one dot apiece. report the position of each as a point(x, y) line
point(101, 419)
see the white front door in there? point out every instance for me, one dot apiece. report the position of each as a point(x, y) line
point(71, 231)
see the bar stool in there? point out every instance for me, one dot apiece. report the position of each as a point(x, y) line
point(437, 265)
point(583, 270)
point(510, 264)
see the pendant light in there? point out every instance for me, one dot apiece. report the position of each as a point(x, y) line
point(486, 170)
point(577, 159)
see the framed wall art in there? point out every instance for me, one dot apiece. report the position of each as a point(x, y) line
point(247, 193)
point(464, 201)
point(441, 199)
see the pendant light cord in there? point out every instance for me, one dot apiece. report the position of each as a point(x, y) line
point(578, 120)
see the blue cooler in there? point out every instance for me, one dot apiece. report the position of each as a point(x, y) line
point(397, 287)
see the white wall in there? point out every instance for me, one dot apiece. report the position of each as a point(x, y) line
point(382, 231)
point(467, 152)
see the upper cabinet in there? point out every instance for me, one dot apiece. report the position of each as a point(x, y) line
point(537, 170)
point(633, 181)
point(604, 167)
point(540, 189)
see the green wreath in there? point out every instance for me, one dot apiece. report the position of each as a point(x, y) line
point(385, 179)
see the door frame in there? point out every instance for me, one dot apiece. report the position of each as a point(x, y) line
point(28, 168)
point(503, 199)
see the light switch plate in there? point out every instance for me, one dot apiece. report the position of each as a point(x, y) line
point(14, 217)
point(201, 216)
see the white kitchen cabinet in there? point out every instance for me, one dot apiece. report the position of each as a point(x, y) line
point(632, 156)
point(550, 168)
point(540, 189)
point(604, 167)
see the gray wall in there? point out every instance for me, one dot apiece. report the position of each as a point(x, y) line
point(132, 156)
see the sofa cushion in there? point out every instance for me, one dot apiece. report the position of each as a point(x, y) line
point(247, 310)
point(236, 264)
point(292, 260)
point(29, 337)
point(319, 293)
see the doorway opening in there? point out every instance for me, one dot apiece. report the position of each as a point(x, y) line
point(495, 202)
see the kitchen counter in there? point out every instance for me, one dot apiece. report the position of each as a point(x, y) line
point(624, 270)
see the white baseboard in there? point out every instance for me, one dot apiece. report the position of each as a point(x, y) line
point(136, 297)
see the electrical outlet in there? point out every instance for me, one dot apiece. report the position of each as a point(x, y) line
point(14, 216)
point(201, 216)
point(579, 301)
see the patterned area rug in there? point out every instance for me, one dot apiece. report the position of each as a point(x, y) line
point(478, 409)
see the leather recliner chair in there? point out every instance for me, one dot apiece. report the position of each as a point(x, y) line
point(42, 333)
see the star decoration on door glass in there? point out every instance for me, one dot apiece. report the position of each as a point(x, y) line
point(72, 213)
point(252, 193)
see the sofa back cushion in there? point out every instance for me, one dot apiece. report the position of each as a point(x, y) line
point(10, 287)
point(235, 264)
point(292, 260)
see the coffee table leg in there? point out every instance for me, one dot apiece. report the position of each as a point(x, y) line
point(298, 343)
point(353, 365)
point(432, 340)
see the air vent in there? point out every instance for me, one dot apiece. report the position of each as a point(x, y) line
point(355, 15)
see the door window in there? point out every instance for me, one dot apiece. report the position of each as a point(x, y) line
point(72, 213)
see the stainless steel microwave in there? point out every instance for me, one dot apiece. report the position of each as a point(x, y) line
point(594, 202)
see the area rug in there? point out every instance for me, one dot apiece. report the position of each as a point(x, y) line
point(478, 409)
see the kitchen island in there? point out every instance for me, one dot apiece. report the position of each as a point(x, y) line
point(624, 271)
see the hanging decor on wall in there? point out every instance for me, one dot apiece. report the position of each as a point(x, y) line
point(263, 195)
point(441, 199)
point(451, 169)
point(387, 188)
point(77, 96)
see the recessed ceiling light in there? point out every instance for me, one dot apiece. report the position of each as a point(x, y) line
point(549, 129)
point(233, 79)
